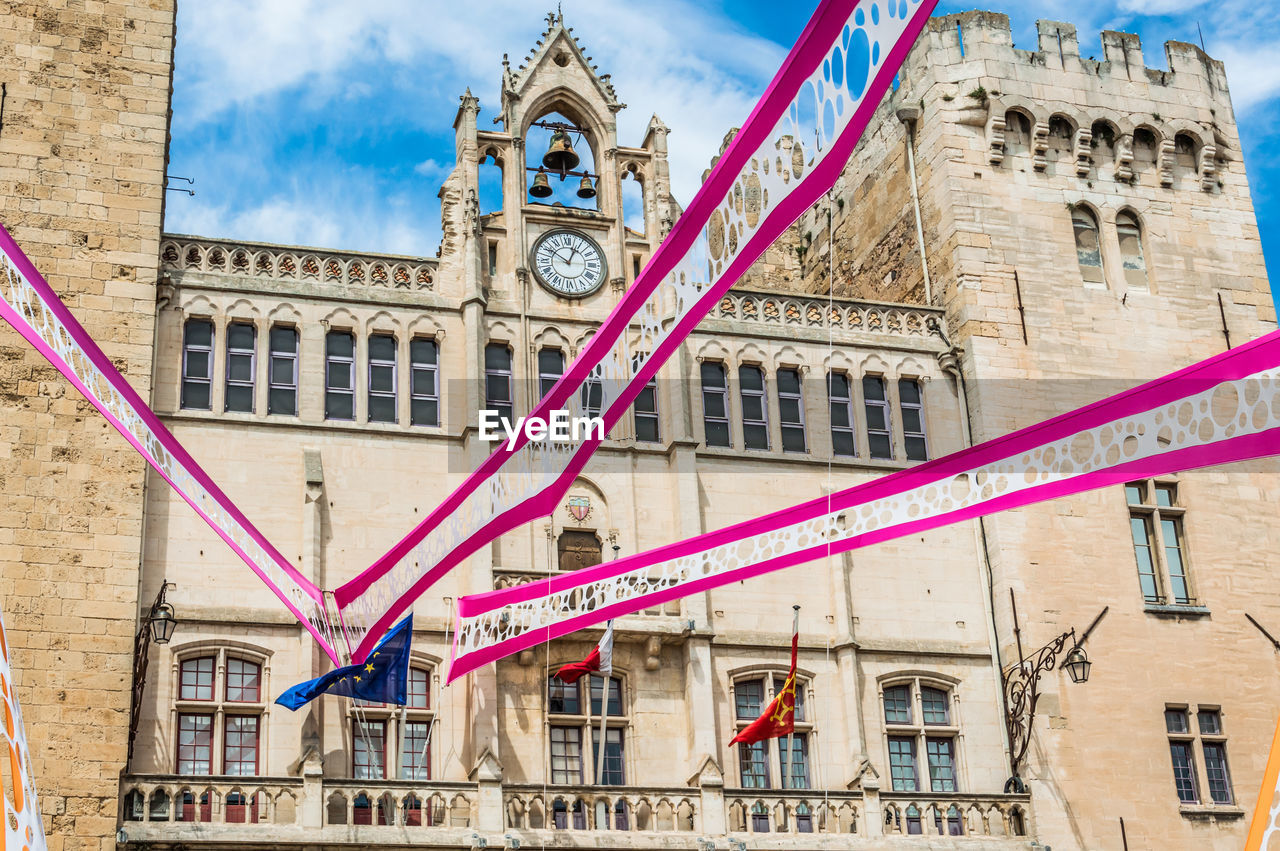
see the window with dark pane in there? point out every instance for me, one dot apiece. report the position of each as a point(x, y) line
point(933, 706)
point(592, 395)
point(550, 368)
point(424, 382)
point(1184, 772)
point(498, 395)
point(796, 773)
point(563, 698)
point(715, 404)
point(241, 367)
point(340, 375)
point(942, 764)
point(615, 695)
point(753, 766)
point(1156, 524)
point(1175, 721)
point(382, 378)
point(614, 773)
point(780, 682)
point(902, 764)
point(197, 365)
point(911, 403)
point(840, 398)
point(748, 699)
point(755, 417)
point(282, 373)
point(646, 413)
point(897, 705)
point(876, 402)
point(791, 410)
point(1215, 767)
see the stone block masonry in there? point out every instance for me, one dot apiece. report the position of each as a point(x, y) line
point(82, 162)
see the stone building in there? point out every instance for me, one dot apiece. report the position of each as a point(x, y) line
point(1082, 225)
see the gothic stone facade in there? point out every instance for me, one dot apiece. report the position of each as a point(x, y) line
point(334, 396)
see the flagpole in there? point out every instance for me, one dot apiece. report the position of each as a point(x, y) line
point(786, 756)
point(604, 720)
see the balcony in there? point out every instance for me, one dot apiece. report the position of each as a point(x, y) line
point(229, 812)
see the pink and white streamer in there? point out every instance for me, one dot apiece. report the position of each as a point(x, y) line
point(1224, 409)
point(29, 304)
point(788, 153)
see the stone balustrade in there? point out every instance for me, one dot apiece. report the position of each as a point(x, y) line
point(819, 312)
point(316, 809)
point(259, 260)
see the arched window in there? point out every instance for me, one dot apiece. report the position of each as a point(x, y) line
point(920, 732)
point(550, 368)
point(1088, 245)
point(1146, 150)
point(1186, 150)
point(1061, 138)
point(760, 764)
point(1104, 146)
point(387, 742)
point(574, 711)
point(220, 710)
point(1017, 133)
point(576, 186)
point(633, 212)
point(1129, 232)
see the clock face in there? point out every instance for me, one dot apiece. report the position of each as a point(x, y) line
point(569, 263)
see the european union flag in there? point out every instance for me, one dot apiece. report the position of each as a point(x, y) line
point(382, 678)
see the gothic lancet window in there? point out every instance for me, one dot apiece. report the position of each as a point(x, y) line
point(1129, 232)
point(1088, 245)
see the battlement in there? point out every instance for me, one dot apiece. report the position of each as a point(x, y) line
point(981, 36)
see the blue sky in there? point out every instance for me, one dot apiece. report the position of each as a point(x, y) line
point(324, 122)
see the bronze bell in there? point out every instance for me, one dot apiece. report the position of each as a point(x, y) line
point(541, 186)
point(560, 155)
point(585, 189)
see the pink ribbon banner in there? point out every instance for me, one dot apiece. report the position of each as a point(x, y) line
point(788, 153)
point(1221, 410)
point(29, 304)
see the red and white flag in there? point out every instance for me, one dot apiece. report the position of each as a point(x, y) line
point(599, 659)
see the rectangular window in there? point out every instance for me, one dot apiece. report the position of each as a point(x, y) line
point(550, 368)
point(715, 404)
point(242, 364)
point(424, 382)
point(753, 765)
point(942, 764)
point(791, 410)
point(419, 689)
point(796, 775)
point(902, 764)
point(197, 679)
point(911, 403)
point(879, 438)
point(841, 402)
point(240, 745)
point(748, 699)
point(563, 697)
point(614, 773)
point(197, 365)
point(646, 412)
point(1215, 766)
point(497, 381)
point(933, 704)
point(493, 259)
point(282, 390)
point(195, 744)
point(1156, 529)
point(897, 705)
point(566, 755)
point(415, 755)
point(592, 396)
point(615, 695)
point(755, 415)
point(369, 739)
point(340, 376)
point(382, 378)
point(1184, 772)
point(1175, 721)
point(779, 683)
point(243, 679)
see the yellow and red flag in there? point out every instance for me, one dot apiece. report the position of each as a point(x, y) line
point(779, 717)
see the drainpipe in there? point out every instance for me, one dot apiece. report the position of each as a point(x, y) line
point(950, 362)
point(908, 115)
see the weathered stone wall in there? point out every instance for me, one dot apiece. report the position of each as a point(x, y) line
point(1038, 340)
point(82, 155)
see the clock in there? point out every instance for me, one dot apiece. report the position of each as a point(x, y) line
point(568, 263)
